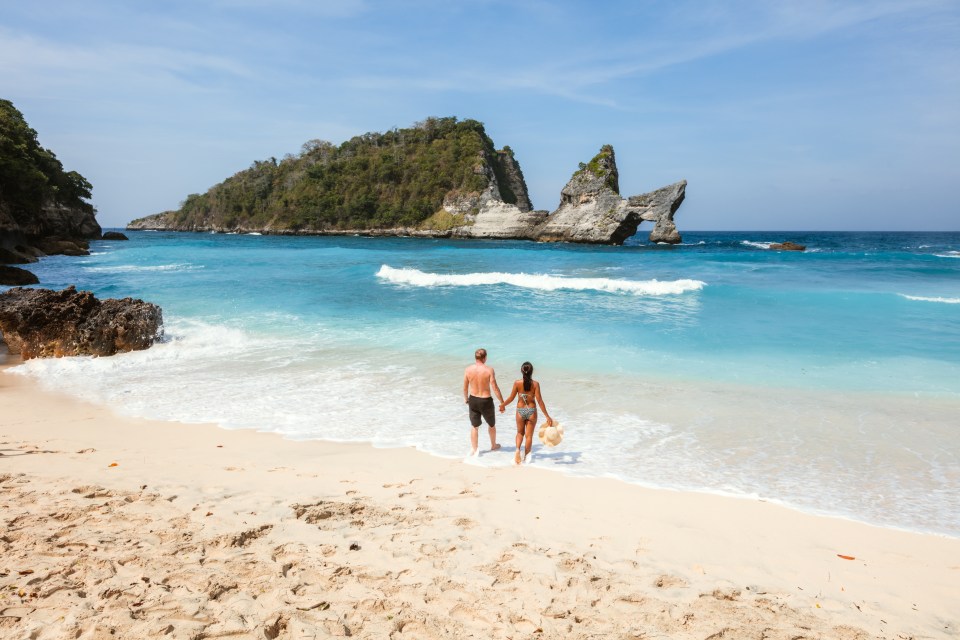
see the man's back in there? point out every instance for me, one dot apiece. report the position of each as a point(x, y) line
point(479, 376)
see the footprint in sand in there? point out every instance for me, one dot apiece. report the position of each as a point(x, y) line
point(93, 491)
point(669, 582)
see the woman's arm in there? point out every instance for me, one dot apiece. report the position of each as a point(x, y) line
point(543, 407)
point(513, 394)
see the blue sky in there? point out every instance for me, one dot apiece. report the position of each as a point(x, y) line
point(787, 115)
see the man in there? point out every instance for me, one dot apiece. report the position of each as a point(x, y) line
point(477, 381)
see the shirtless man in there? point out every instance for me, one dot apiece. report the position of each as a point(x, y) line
point(477, 381)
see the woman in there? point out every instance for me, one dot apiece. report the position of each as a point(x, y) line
point(528, 391)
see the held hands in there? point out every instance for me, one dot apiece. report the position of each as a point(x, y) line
point(502, 405)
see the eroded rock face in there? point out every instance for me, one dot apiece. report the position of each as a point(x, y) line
point(592, 210)
point(40, 323)
point(658, 207)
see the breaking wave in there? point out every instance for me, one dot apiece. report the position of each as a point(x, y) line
point(926, 299)
point(541, 282)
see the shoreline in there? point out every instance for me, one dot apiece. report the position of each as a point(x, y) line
point(667, 402)
point(711, 562)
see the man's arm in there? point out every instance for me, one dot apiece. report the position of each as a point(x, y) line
point(466, 387)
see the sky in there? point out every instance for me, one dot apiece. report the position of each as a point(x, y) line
point(785, 115)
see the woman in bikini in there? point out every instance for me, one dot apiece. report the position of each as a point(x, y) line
point(528, 391)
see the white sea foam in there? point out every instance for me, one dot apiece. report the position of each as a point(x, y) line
point(930, 299)
point(758, 245)
point(948, 254)
point(133, 268)
point(542, 282)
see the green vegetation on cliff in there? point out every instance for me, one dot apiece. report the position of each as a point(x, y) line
point(602, 166)
point(374, 181)
point(31, 177)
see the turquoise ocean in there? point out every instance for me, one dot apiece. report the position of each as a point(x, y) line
point(828, 381)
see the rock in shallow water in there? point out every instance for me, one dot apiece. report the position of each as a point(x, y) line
point(16, 276)
point(788, 246)
point(39, 323)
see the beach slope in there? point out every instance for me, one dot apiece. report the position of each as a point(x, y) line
point(125, 528)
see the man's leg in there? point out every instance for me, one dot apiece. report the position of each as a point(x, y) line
point(490, 415)
point(493, 439)
point(474, 412)
point(474, 439)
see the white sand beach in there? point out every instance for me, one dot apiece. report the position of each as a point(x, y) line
point(125, 528)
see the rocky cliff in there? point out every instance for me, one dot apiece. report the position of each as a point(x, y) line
point(43, 208)
point(591, 211)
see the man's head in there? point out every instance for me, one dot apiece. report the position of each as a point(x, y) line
point(480, 355)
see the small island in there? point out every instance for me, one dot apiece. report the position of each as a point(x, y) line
point(441, 178)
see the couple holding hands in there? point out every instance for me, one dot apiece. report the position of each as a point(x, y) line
point(478, 380)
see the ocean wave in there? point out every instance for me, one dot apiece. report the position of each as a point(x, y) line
point(758, 245)
point(927, 299)
point(129, 268)
point(540, 282)
point(948, 254)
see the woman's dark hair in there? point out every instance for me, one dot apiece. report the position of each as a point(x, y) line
point(527, 370)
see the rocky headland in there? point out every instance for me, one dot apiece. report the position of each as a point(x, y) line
point(442, 178)
point(43, 208)
point(37, 323)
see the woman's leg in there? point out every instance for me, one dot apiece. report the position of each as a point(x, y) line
point(520, 428)
point(528, 444)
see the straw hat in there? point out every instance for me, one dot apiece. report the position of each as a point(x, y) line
point(552, 435)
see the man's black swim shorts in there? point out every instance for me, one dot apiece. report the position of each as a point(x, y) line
point(481, 407)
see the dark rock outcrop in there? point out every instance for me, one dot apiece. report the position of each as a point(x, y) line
point(12, 256)
point(15, 277)
point(44, 323)
point(788, 246)
point(62, 246)
point(113, 235)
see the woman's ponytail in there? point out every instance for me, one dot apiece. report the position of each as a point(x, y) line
point(527, 370)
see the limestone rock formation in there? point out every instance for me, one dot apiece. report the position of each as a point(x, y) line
point(114, 235)
point(44, 323)
point(591, 211)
